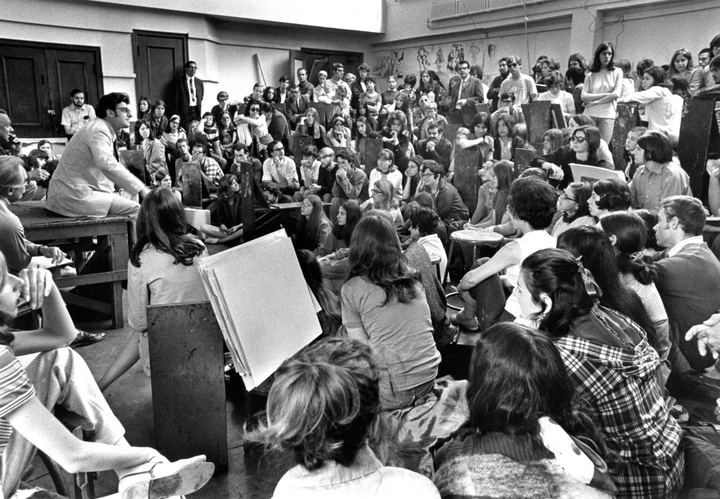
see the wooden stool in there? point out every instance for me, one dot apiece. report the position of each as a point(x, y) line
point(475, 238)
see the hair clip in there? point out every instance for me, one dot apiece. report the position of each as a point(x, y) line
point(591, 287)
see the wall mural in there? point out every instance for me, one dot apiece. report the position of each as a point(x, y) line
point(441, 58)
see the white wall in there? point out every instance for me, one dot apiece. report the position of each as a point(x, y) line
point(223, 49)
point(556, 28)
point(363, 16)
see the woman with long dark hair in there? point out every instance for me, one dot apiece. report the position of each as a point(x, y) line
point(348, 217)
point(493, 196)
point(628, 235)
point(602, 89)
point(383, 303)
point(311, 126)
point(158, 121)
point(613, 370)
point(594, 249)
point(58, 376)
point(522, 418)
point(573, 204)
point(583, 149)
point(227, 227)
point(227, 136)
point(314, 226)
point(152, 148)
point(163, 269)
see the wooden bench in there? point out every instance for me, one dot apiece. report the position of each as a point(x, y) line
point(111, 233)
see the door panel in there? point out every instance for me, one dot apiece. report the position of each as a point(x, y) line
point(160, 59)
point(23, 90)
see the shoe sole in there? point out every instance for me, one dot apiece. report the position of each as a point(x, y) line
point(187, 480)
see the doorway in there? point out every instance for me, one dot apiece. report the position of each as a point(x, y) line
point(315, 60)
point(36, 80)
point(159, 59)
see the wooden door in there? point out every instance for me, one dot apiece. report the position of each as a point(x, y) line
point(24, 91)
point(159, 59)
point(36, 80)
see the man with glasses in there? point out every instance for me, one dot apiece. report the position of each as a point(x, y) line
point(10, 145)
point(189, 91)
point(448, 204)
point(280, 170)
point(295, 106)
point(463, 89)
point(508, 106)
point(338, 71)
point(521, 85)
point(89, 171)
point(209, 168)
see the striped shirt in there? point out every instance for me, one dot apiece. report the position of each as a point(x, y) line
point(15, 390)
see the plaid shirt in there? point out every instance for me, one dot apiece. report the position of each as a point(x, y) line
point(212, 170)
point(618, 388)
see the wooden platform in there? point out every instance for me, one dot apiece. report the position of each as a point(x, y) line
point(111, 235)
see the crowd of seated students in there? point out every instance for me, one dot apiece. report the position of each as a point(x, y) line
point(602, 317)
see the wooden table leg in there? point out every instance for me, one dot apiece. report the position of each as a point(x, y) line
point(119, 254)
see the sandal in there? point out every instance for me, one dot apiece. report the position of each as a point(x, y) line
point(162, 480)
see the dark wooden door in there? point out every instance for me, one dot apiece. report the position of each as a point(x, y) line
point(159, 59)
point(36, 80)
point(23, 90)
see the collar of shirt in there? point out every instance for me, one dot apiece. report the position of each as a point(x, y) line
point(685, 242)
point(656, 168)
point(332, 473)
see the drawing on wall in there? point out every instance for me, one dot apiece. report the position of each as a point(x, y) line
point(442, 58)
point(439, 59)
point(389, 64)
point(422, 56)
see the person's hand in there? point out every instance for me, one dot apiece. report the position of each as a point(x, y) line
point(224, 229)
point(713, 168)
point(431, 146)
point(37, 285)
point(708, 335)
point(461, 102)
point(53, 252)
point(341, 174)
point(38, 174)
point(555, 171)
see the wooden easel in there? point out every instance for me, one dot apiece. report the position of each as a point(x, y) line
point(188, 383)
point(540, 116)
point(699, 139)
point(466, 179)
point(626, 119)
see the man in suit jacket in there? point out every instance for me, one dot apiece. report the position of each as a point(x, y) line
point(189, 92)
point(463, 90)
point(688, 277)
point(295, 106)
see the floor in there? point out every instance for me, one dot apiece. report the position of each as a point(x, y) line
point(249, 475)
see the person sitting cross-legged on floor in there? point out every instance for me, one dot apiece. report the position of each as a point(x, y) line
point(531, 208)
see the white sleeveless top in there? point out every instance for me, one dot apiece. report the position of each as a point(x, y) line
point(529, 244)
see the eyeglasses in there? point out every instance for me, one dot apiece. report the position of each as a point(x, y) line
point(254, 109)
point(578, 139)
point(198, 152)
point(125, 110)
point(427, 174)
point(565, 196)
point(513, 65)
point(278, 149)
point(191, 67)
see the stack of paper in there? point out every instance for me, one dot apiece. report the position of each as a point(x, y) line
point(264, 307)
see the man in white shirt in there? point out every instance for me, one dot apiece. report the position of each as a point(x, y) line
point(77, 114)
point(517, 83)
